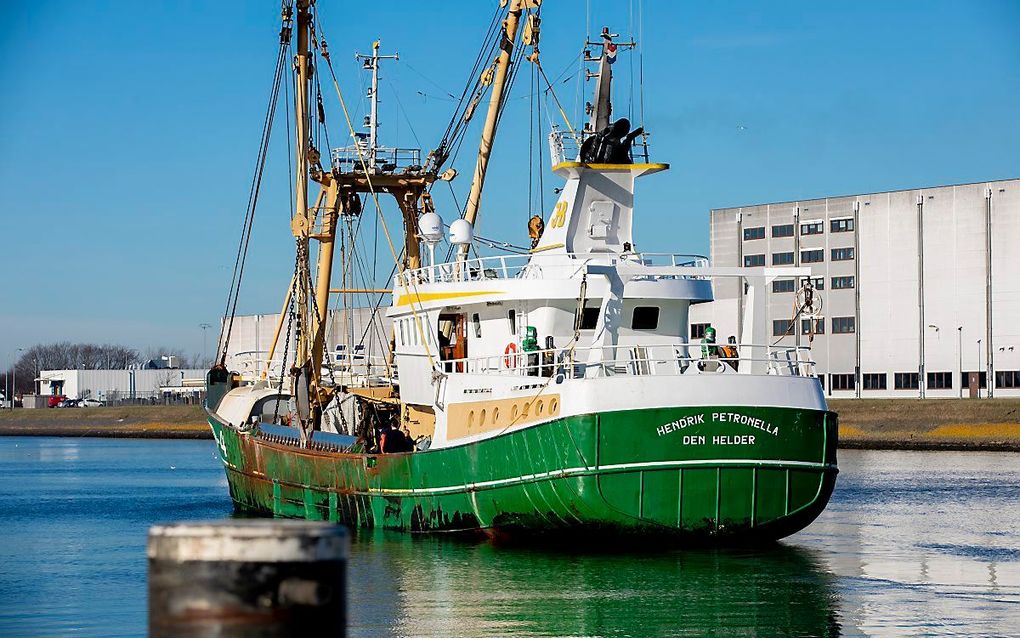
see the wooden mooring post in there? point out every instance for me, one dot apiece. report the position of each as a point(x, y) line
point(265, 578)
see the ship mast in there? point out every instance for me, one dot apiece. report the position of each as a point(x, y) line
point(371, 62)
point(500, 71)
point(302, 138)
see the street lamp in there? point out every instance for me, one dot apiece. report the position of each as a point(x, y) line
point(14, 384)
point(959, 356)
point(979, 368)
point(205, 349)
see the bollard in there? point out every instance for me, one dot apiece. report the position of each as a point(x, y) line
point(248, 578)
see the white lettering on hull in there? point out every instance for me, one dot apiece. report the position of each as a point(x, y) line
point(719, 417)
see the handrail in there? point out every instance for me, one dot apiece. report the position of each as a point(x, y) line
point(524, 267)
point(671, 359)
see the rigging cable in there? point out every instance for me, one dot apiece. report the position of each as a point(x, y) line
point(253, 197)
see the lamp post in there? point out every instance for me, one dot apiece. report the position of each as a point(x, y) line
point(959, 357)
point(205, 349)
point(14, 383)
point(979, 368)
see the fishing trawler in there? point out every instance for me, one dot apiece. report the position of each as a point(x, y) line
point(554, 391)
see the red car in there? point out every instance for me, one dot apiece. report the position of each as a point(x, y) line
point(55, 400)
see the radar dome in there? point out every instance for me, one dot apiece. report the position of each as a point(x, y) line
point(461, 232)
point(430, 226)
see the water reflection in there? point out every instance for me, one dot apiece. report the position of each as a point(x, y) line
point(430, 587)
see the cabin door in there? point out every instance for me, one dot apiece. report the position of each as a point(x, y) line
point(453, 340)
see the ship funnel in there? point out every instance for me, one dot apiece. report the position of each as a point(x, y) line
point(430, 227)
point(461, 232)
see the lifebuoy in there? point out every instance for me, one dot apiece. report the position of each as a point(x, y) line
point(510, 358)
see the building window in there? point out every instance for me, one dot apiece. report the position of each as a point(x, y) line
point(754, 260)
point(841, 283)
point(905, 381)
point(818, 283)
point(843, 325)
point(965, 380)
point(940, 380)
point(842, 254)
point(805, 326)
point(841, 225)
point(782, 230)
point(874, 381)
point(784, 285)
point(841, 381)
point(812, 256)
point(698, 330)
point(1007, 379)
point(781, 327)
point(782, 259)
point(754, 233)
point(645, 318)
point(812, 228)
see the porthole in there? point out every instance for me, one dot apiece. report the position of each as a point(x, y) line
point(495, 416)
point(471, 419)
point(481, 418)
point(554, 406)
point(524, 410)
point(514, 412)
point(540, 408)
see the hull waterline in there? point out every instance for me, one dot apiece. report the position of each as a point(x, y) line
point(740, 473)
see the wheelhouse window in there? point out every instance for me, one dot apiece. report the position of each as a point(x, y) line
point(511, 317)
point(477, 322)
point(812, 228)
point(782, 259)
point(812, 256)
point(698, 330)
point(782, 230)
point(754, 233)
point(589, 318)
point(645, 318)
point(754, 260)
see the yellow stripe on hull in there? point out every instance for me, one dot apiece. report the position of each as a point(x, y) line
point(420, 297)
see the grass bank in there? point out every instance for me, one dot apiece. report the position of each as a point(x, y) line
point(134, 421)
point(930, 424)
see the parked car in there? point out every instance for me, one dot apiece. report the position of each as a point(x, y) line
point(55, 400)
point(69, 403)
point(90, 403)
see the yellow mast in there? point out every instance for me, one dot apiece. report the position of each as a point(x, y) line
point(303, 227)
point(500, 70)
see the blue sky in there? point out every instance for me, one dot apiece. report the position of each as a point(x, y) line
point(128, 131)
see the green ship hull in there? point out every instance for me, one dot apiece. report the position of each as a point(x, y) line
point(753, 473)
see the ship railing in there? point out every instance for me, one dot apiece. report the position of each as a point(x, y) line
point(387, 159)
point(565, 146)
point(524, 267)
point(641, 360)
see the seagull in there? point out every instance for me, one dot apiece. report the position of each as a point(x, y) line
point(741, 127)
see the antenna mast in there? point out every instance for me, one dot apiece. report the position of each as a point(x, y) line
point(371, 62)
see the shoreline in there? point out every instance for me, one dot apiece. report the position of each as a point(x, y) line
point(986, 425)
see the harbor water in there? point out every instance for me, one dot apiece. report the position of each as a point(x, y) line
point(912, 543)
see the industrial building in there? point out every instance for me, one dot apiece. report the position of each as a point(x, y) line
point(358, 336)
point(920, 288)
point(112, 386)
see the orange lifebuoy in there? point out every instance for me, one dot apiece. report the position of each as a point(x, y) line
point(510, 358)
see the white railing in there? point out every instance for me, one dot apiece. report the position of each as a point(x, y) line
point(523, 267)
point(640, 360)
point(565, 146)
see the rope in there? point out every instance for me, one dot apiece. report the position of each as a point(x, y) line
point(253, 197)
